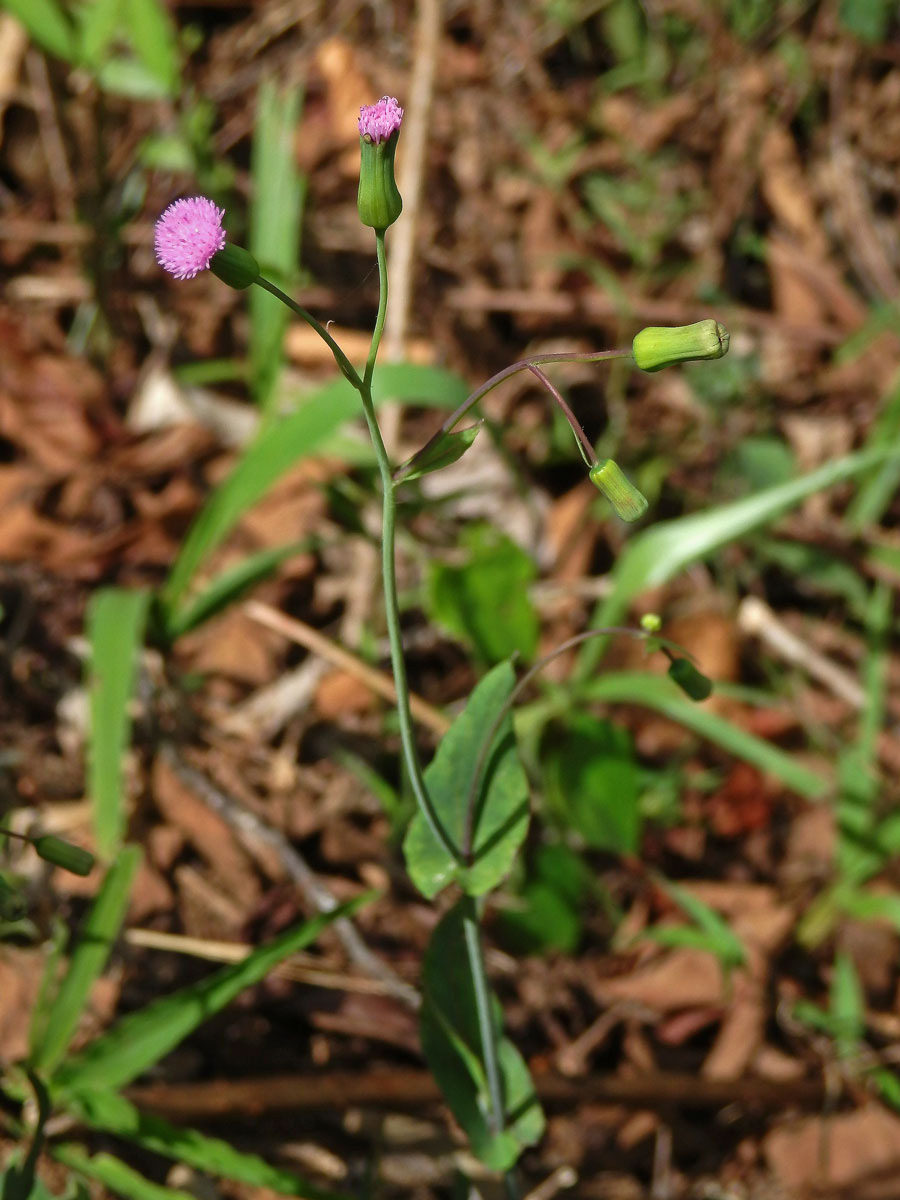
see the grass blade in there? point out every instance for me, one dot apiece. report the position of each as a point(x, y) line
point(659, 693)
point(141, 1039)
point(115, 1175)
point(114, 1114)
point(275, 219)
point(88, 960)
point(115, 629)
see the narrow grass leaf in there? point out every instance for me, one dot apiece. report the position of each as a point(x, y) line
point(275, 221)
point(115, 629)
point(499, 818)
point(87, 961)
point(114, 1114)
point(141, 1039)
point(114, 1174)
point(659, 693)
point(229, 586)
point(846, 1006)
point(99, 21)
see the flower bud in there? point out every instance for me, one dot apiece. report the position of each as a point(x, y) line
point(663, 346)
point(235, 266)
point(378, 200)
point(629, 503)
point(692, 682)
point(63, 854)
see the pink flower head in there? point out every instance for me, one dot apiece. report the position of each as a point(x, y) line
point(187, 236)
point(378, 121)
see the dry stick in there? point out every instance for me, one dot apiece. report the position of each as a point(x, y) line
point(314, 641)
point(245, 822)
point(51, 136)
point(408, 1088)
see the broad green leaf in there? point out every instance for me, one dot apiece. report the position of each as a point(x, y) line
point(657, 554)
point(888, 1085)
point(276, 216)
point(152, 36)
point(138, 1041)
point(115, 629)
point(869, 20)
point(88, 960)
point(444, 453)
point(114, 1114)
point(591, 782)
point(283, 444)
point(499, 816)
point(485, 601)
point(48, 26)
point(229, 586)
point(115, 1175)
point(538, 919)
point(126, 75)
point(451, 1043)
point(659, 693)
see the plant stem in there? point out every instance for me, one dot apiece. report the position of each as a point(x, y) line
point(389, 572)
point(346, 367)
point(479, 393)
point(486, 1026)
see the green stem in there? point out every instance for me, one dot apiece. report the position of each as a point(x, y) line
point(486, 1027)
point(479, 393)
point(389, 573)
point(346, 367)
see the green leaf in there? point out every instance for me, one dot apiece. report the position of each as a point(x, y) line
point(540, 918)
point(451, 1043)
point(869, 20)
point(275, 222)
point(229, 585)
point(138, 1041)
point(485, 601)
point(87, 962)
point(846, 1006)
point(114, 1114)
point(283, 444)
point(444, 453)
point(500, 812)
point(152, 37)
point(114, 1174)
point(660, 694)
point(591, 782)
point(98, 22)
point(47, 25)
point(115, 629)
point(126, 75)
point(711, 932)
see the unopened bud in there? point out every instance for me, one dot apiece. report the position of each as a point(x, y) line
point(63, 854)
point(378, 200)
point(665, 345)
point(235, 266)
point(691, 681)
point(629, 503)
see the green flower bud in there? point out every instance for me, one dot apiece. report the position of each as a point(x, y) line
point(692, 682)
point(378, 200)
point(235, 266)
point(63, 854)
point(629, 503)
point(663, 346)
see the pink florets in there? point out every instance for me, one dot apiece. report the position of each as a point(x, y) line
point(379, 121)
point(188, 234)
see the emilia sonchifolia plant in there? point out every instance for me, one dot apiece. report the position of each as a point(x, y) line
point(472, 802)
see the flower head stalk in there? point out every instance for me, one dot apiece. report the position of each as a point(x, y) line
point(378, 200)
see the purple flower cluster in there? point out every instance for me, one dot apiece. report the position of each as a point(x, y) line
point(378, 121)
point(188, 235)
